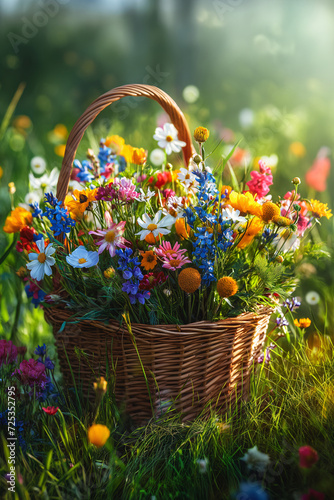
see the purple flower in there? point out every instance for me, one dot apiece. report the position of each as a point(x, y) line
point(281, 321)
point(8, 352)
point(292, 303)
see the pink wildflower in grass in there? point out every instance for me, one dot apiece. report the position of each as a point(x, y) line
point(166, 250)
point(176, 261)
point(111, 238)
point(260, 182)
point(8, 352)
point(307, 457)
point(302, 224)
point(126, 189)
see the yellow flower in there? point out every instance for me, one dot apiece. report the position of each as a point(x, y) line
point(108, 273)
point(127, 152)
point(17, 219)
point(100, 386)
point(149, 260)
point(319, 209)
point(201, 134)
point(297, 149)
point(98, 435)
point(60, 150)
point(78, 201)
point(269, 211)
point(139, 156)
point(1, 172)
point(226, 287)
point(115, 142)
point(189, 280)
point(282, 221)
point(11, 188)
point(252, 229)
point(181, 228)
point(303, 322)
point(22, 122)
point(245, 203)
point(60, 131)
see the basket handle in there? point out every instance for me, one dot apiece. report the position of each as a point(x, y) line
point(73, 141)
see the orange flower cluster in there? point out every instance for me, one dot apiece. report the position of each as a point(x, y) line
point(17, 219)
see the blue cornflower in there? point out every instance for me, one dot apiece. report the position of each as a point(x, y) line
point(35, 294)
point(251, 491)
point(37, 210)
point(132, 274)
point(83, 175)
point(40, 350)
point(47, 362)
point(190, 216)
point(51, 199)
point(60, 219)
point(37, 237)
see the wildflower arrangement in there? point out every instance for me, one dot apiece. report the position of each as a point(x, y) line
point(170, 246)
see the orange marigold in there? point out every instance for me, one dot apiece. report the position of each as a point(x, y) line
point(226, 287)
point(17, 219)
point(251, 230)
point(245, 203)
point(139, 156)
point(319, 209)
point(98, 435)
point(189, 280)
point(149, 260)
point(269, 211)
point(181, 228)
point(303, 322)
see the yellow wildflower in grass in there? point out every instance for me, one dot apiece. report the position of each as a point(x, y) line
point(78, 201)
point(127, 152)
point(319, 209)
point(115, 142)
point(201, 134)
point(60, 131)
point(297, 149)
point(17, 219)
point(100, 386)
point(108, 273)
point(98, 435)
point(251, 230)
point(149, 260)
point(226, 287)
point(189, 280)
point(60, 150)
point(245, 203)
point(22, 122)
point(269, 211)
point(302, 322)
point(181, 228)
point(139, 156)
point(11, 188)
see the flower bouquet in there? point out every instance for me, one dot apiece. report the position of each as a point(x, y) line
point(163, 273)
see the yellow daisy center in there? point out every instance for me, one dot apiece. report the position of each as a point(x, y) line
point(41, 258)
point(169, 138)
point(152, 227)
point(110, 236)
point(82, 260)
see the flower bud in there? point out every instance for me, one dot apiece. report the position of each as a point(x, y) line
point(201, 134)
point(279, 259)
point(100, 386)
point(293, 227)
point(11, 188)
point(197, 159)
point(169, 167)
point(296, 181)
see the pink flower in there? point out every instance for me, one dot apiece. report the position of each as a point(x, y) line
point(111, 238)
point(173, 262)
point(126, 189)
point(307, 457)
point(302, 224)
point(260, 180)
point(31, 373)
point(313, 495)
point(8, 352)
point(51, 410)
point(166, 250)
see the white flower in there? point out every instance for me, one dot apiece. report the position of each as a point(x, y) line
point(167, 292)
point(167, 139)
point(82, 258)
point(41, 262)
point(190, 94)
point(47, 182)
point(38, 165)
point(202, 465)
point(33, 197)
point(312, 298)
point(271, 161)
point(287, 242)
point(233, 215)
point(157, 157)
point(155, 226)
point(146, 196)
point(256, 460)
point(174, 207)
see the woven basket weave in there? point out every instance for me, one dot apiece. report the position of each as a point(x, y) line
point(188, 366)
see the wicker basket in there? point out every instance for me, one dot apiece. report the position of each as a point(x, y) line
point(189, 366)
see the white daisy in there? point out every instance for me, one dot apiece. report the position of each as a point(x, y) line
point(167, 139)
point(38, 165)
point(155, 226)
point(232, 215)
point(287, 242)
point(256, 460)
point(47, 182)
point(157, 157)
point(312, 298)
point(41, 262)
point(174, 207)
point(33, 197)
point(146, 196)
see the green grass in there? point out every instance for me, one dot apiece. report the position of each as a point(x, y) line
point(291, 405)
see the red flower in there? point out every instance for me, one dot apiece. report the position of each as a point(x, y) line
point(307, 457)
point(163, 178)
point(51, 410)
point(8, 352)
point(26, 241)
point(313, 495)
point(151, 280)
point(317, 175)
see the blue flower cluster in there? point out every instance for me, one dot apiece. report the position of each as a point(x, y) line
point(268, 236)
point(132, 274)
point(292, 303)
point(84, 174)
point(106, 157)
point(207, 186)
point(41, 352)
point(59, 217)
point(35, 294)
point(37, 210)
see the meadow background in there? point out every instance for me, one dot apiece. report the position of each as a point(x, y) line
point(257, 71)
